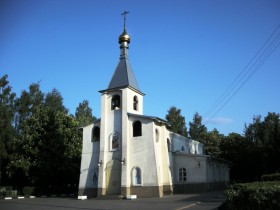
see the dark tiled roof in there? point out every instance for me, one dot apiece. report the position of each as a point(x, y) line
point(123, 76)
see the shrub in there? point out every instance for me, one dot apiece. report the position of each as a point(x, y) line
point(271, 177)
point(6, 191)
point(253, 196)
point(26, 191)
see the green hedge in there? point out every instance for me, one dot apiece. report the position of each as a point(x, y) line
point(271, 177)
point(6, 191)
point(253, 196)
point(26, 191)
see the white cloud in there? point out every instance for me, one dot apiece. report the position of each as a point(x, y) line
point(218, 120)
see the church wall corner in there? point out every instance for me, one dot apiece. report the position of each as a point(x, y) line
point(129, 96)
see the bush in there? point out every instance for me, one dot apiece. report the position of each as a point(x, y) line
point(26, 191)
point(6, 191)
point(253, 196)
point(271, 177)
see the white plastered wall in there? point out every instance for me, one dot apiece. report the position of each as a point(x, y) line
point(217, 171)
point(142, 153)
point(195, 166)
point(127, 107)
point(162, 157)
point(187, 145)
point(89, 159)
point(111, 121)
point(128, 95)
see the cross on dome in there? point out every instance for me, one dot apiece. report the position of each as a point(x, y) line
point(124, 18)
point(124, 37)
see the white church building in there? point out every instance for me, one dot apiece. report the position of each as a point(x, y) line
point(128, 153)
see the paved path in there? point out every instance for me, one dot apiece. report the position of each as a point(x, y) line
point(205, 201)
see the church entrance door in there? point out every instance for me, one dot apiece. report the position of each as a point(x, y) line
point(113, 177)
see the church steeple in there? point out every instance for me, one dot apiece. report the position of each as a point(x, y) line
point(123, 75)
point(124, 38)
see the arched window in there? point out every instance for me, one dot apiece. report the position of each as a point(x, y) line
point(137, 128)
point(157, 135)
point(136, 176)
point(135, 103)
point(168, 145)
point(95, 134)
point(182, 175)
point(116, 102)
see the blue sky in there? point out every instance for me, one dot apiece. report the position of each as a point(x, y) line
point(184, 53)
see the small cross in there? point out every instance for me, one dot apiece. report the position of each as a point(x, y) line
point(124, 17)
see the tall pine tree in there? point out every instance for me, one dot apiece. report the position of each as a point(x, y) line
point(177, 121)
point(7, 131)
point(83, 114)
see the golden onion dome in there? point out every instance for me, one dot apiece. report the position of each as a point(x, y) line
point(124, 37)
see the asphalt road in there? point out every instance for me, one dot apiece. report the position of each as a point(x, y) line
point(205, 201)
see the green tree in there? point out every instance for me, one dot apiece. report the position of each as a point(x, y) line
point(7, 131)
point(83, 113)
point(177, 121)
point(212, 143)
point(49, 150)
point(48, 146)
point(27, 103)
point(254, 131)
point(211, 139)
point(265, 134)
point(247, 160)
point(197, 130)
point(25, 106)
point(271, 141)
point(54, 101)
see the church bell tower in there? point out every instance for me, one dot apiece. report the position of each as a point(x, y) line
point(122, 96)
